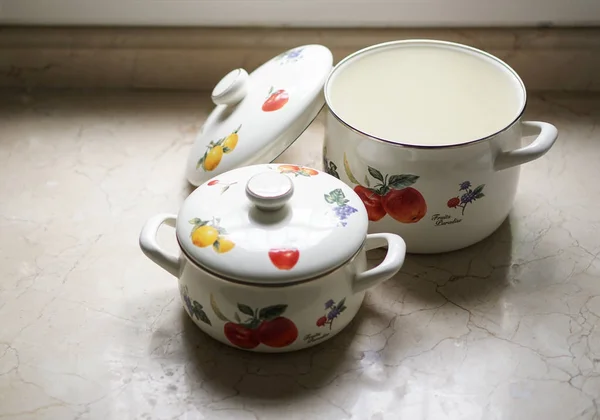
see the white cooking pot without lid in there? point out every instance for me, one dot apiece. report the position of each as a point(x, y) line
point(442, 169)
point(273, 257)
point(440, 190)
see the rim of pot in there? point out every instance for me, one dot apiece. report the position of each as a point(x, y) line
point(274, 284)
point(383, 45)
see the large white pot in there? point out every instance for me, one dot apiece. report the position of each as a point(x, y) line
point(273, 257)
point(437, 197)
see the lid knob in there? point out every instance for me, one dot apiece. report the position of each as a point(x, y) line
point(269, 191)
point(231, 89)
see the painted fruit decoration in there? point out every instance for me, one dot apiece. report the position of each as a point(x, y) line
point(224, 185)
point(467, 195)
point(333, 311)
point(406, 205)
point(340, 206)
point(328, 166)
point(297, 170)
point(276, 99)
point(278, 332)
point(195, 310)
point(206, 233)
point(216, 149)
point(290, 56)
point(240, 335)
point(265, 326)
point(284, 258)
point(392, 195)
point(372, 202)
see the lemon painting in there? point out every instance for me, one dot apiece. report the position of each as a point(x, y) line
point(216, 149)
point(208, 233)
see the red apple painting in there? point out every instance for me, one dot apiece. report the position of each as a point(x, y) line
point(278, 332)
point(406, 205)
point(391, 194)
point(241, 336)
point(372, 202)
point(266, 326)
point(276, 99)
point(284, 258)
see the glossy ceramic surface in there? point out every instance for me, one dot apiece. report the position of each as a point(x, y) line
point(266, 319)
point(272, 224)
point(259, 115)
point(437, 198)
point(280, 317)
point(90, 329)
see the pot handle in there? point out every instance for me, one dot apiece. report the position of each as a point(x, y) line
point(547, 135)
point(150, 246)
point(390, 265)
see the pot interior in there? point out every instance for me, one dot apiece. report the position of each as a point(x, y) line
point(425, 93)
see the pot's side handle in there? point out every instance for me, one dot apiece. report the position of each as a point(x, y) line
point(150, 246)
point(538, 148)
point(390, 265)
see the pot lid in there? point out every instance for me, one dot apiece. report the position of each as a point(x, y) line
point(259, 115)
point(272, 224)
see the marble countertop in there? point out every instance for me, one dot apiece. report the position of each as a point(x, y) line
point(92, 329)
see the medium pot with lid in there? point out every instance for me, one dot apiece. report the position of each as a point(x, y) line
point(273, 257)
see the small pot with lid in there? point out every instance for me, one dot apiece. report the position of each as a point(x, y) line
point(273, 257)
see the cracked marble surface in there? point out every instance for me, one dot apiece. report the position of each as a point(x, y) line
point(91, 329)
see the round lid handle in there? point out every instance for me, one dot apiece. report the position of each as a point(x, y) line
point(269, 191)
point(231, 89)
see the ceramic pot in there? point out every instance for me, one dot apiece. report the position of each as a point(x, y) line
point(437, 197)
point(272, 257)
